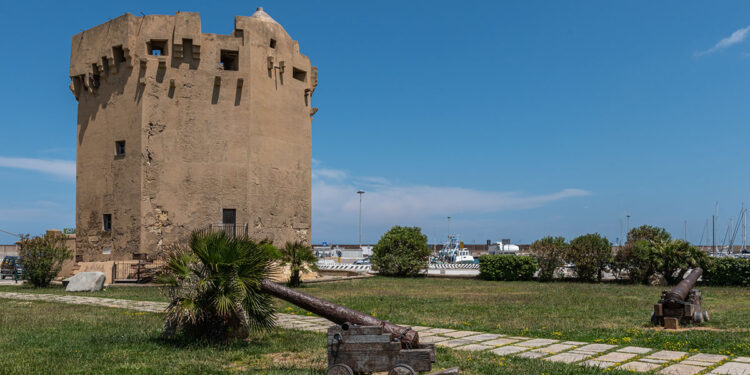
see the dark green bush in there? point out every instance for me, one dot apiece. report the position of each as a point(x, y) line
point(402, 251)
point(728, 271)
point(651, 251)
point(506, 267)
point(591, 254)
point(549, 253)
point(43, 257)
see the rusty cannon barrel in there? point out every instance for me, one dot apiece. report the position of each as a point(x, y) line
point(339, 314)
point(681, 304)
point(682, 289)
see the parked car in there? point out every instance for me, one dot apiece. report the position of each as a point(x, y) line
point(362, 261)
point(9, 266)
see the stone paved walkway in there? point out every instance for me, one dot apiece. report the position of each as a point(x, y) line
point(604, 356)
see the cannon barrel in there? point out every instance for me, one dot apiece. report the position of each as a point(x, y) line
point(337, 313)
point(682, 289)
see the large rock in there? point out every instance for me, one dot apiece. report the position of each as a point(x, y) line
point(86, 282)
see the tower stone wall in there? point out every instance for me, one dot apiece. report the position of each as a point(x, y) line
point(176, 126)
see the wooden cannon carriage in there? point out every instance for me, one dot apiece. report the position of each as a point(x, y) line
point(361, 343)
point(365, 349)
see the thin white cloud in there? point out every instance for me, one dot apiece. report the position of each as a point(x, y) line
point(335, 203)
point(737, 37)
point(61, 168)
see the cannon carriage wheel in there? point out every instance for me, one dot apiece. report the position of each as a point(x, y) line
point(402, 369)
point(340, 369)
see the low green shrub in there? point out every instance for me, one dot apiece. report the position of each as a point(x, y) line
point(402, 251)
point(549, 253)
point(43, 257)
point(591, 253)
point(728, 271)
point(507, 267)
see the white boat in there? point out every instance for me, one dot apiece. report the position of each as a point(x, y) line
point(463, 257)
point(454, 252)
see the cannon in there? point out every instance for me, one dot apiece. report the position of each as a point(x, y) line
point(361, 343)
point(681, 304)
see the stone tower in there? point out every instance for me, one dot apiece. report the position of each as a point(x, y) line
point(180, 130)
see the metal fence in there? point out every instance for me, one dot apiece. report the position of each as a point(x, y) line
point(233, 230)
point(137, 271)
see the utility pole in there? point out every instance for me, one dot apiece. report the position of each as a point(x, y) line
point(449, 226)
point(628, 221)
point(360, 192)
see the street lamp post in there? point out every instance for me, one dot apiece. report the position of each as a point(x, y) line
point(360, 192)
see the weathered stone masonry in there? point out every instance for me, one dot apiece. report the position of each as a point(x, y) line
point(178, 129)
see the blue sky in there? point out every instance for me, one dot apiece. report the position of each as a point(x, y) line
point(517, 119)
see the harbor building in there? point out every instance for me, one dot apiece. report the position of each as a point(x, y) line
point(181, 130)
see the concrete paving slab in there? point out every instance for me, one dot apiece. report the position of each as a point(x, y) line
point(483, 337)
point(634, 349)
point(510, 349)
point(432, 339)
point(454, 343)
point(638, 366)
point(599, 364)
point(474, 347)
point(420, 328)
point(666, 355)
point(519, 338)
point(556, 348)
point(440, 331)
point(681, 369)
point(537, 342)
point(597, 348)
point(458, 334)
point(615, 357)
point(500, 341)
point(732, 368)
point(576, 343)
point(710, 358)
point(568, 357)
point(657, 361)
point(742, 359)
point(531, 354)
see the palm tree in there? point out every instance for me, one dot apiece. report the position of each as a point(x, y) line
point(300, 258)
point(214, 286)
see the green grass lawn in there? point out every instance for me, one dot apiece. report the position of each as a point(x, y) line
point(609, 313)
point(136, 293)
point(45, 338)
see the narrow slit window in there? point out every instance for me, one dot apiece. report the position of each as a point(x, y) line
point(107, 222)
point(299, 74)
point(230, 60)
point(157, 47)
point(272, 44)
point(120, 148)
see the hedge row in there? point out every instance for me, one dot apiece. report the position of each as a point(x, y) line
point(507, 267)
point(728, 271)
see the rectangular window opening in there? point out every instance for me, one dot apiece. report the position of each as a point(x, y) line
point(120, 148)
point(229, 216)
point(107, 222)
point(157, 47)
point(299, 74)
point(118, 54)
point(272, 43)
point(105, 65)
point(230, 60)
